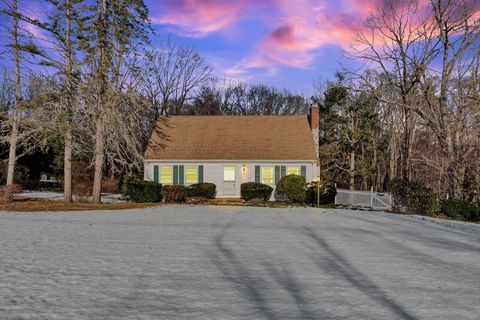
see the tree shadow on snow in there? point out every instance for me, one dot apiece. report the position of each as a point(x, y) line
point(341, 268)
point(257, 288)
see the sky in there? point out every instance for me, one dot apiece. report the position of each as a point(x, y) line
point(284, 43)
point(290, 44)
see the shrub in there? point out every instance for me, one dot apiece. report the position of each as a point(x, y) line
point(82, 191)
point(204, 190)
point(461, 210)
point(327, 193)
point(425, 202)
point(20, 176)
point(110, 185)
point(143, 191)
point(293, 187)
point(252, 190)
point(123, 184)
point(175, 193)
point(413, 196)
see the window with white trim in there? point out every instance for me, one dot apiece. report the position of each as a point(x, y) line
point(293, 170)
point(166, 174)
point(191, 175)
point(267, 176)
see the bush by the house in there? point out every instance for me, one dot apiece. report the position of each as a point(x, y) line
point(293, 187)
point(252, 190)
point(461, 210)
point(328, 192)
point(123, 183)
point(204, 190)
point(143, 191)
point(413, 196)
point(175, 193)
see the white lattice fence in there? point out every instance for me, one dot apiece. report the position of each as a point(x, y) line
point(369, 199)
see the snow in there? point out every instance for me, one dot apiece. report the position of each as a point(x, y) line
point(209, 262)
point(50, 195)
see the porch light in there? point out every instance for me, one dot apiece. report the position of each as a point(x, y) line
point(244, 170)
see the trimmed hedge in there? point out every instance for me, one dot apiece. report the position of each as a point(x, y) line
point(252, 190)
point(175, 193)
point(461, 210)
point(204, 190)
point(293, 187)
point(327, 193)
point(143, 191)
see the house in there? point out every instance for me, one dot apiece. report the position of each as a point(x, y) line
point(231, 150)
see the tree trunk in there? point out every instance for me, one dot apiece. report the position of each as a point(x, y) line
point(452, 177)
point(12, 155)
point(67, 165)
point(376, 177)
point(100, 125)
point(99, 161)
point(406, 147)
point(352, 170)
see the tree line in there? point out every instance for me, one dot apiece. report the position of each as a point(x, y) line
point(91, 83)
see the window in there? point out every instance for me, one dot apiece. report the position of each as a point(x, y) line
point(293, 170)
point(228, 173)
point(267, 175)
point(191, 175)
point(166, 175)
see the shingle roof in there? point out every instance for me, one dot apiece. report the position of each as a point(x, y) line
point(232, 138)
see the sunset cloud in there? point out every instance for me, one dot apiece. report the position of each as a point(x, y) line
point(298, 29)
point(197, 18)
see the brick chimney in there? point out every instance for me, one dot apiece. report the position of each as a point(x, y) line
point(313, 119)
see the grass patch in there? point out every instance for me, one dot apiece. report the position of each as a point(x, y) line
point(32, 205)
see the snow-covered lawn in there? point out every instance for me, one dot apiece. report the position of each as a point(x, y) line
point(50, 195)
point(208, 262)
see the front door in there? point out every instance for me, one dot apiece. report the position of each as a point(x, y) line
point(229, 181)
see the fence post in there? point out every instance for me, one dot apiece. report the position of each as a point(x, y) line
point(371, 197)
point(336, 195)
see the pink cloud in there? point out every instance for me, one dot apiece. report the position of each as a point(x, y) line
point(296, 40)
point(196, 18)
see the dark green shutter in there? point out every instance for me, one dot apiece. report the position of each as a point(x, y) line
point(175, 175)
point(155, 173)
point(277, 174)
point(181, 175)
point(303, 171)
point(200, 174)
point(283, 171)
point(257, 173)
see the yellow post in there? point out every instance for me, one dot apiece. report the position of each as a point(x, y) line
point(318, 192)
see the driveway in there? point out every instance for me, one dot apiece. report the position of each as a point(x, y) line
point(236, 263)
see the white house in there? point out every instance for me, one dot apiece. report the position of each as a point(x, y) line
point(231, 150)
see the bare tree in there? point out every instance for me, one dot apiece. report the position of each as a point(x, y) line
point(390, 42)
point(12, 155)
point(406, 41)
point(176, 72)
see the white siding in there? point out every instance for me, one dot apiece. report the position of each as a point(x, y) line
point(213, 171)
